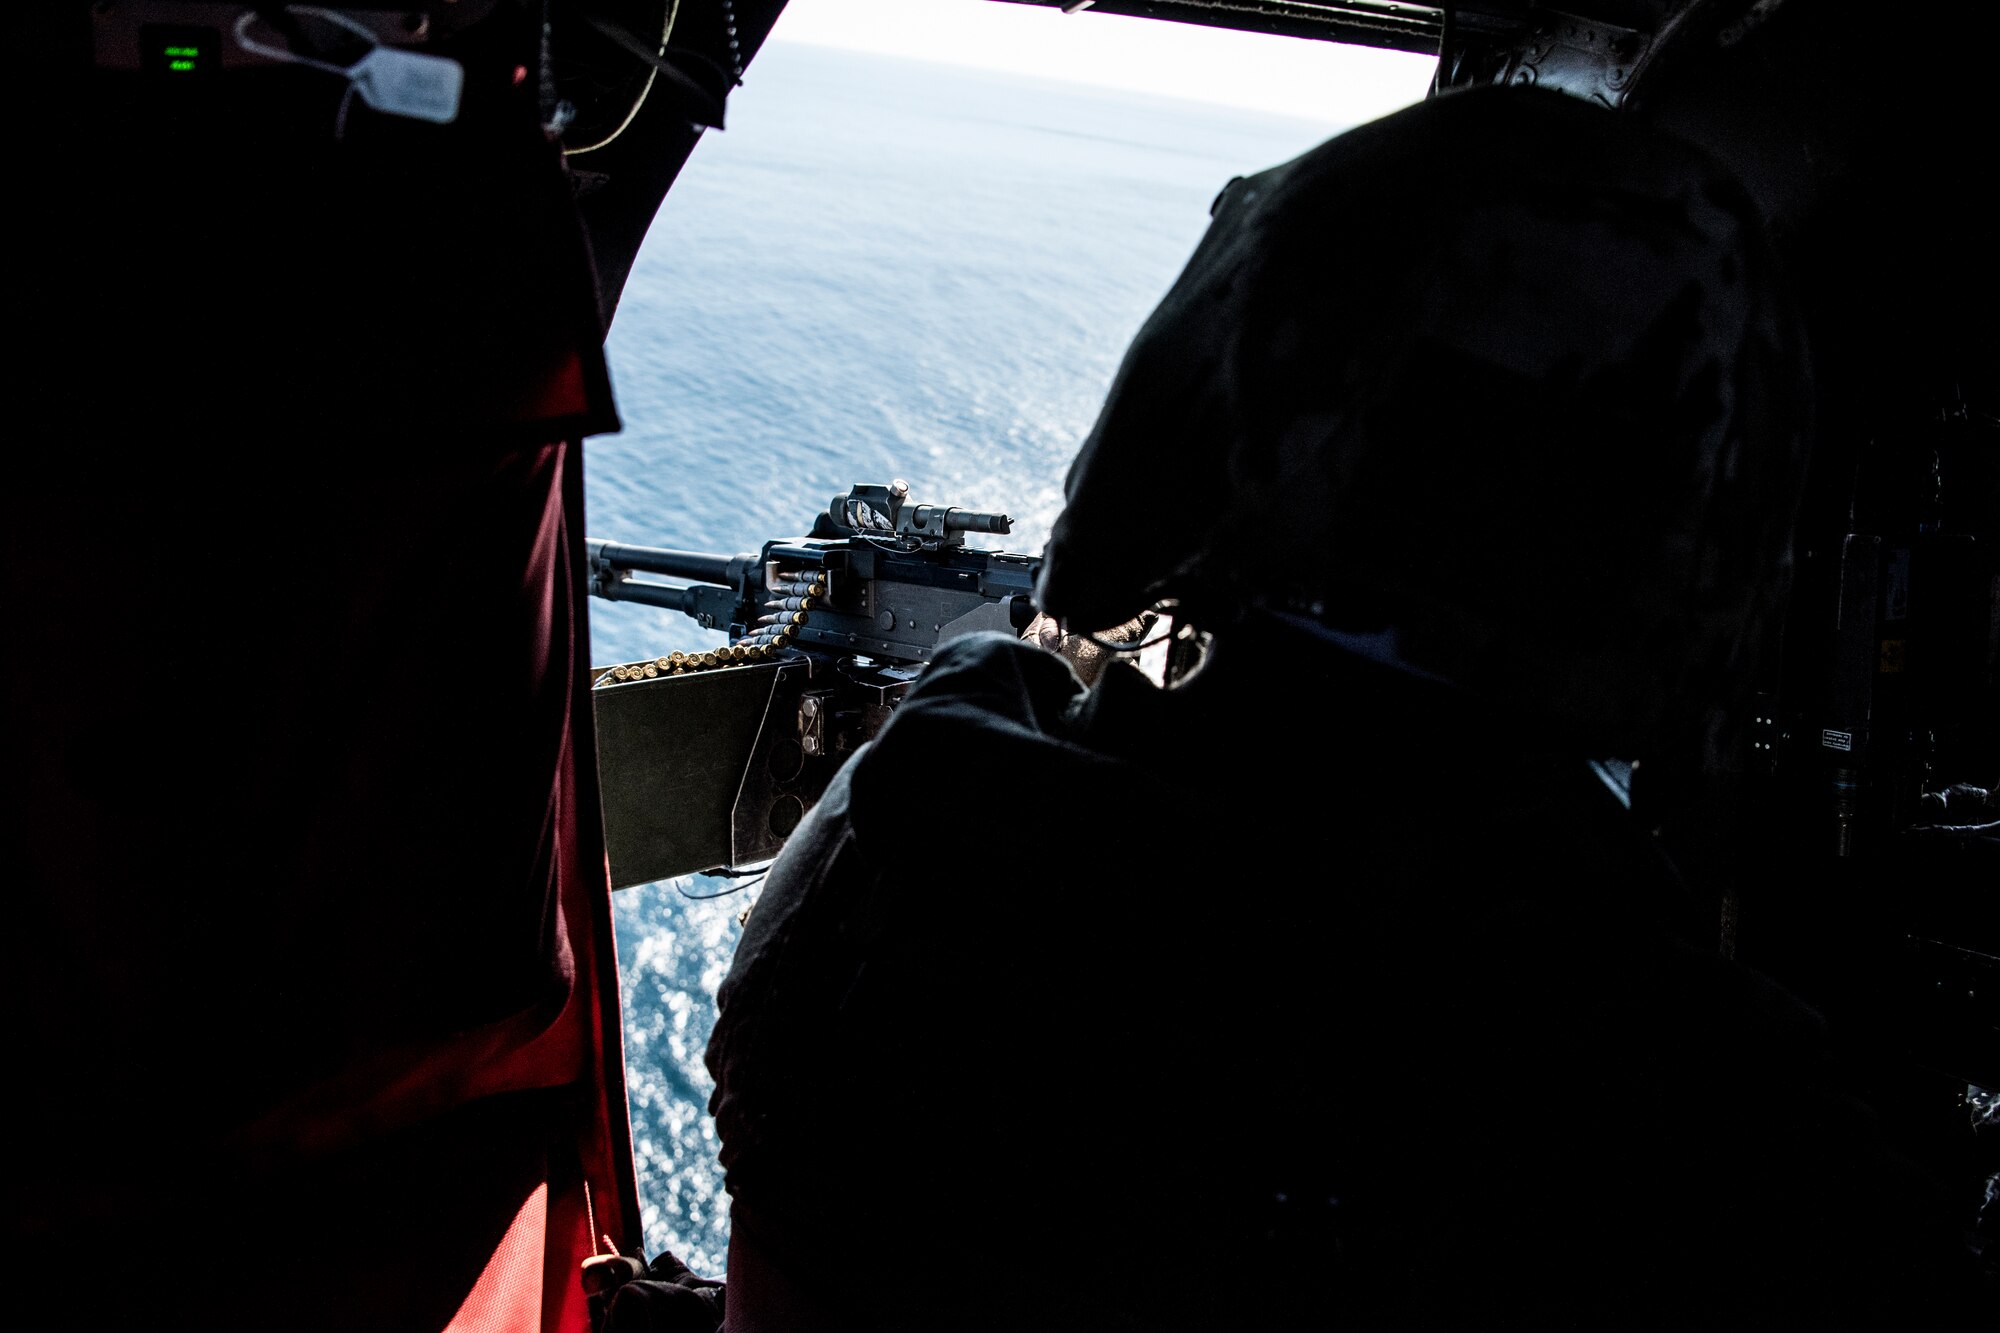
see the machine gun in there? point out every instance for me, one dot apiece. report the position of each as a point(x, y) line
point(708, 761)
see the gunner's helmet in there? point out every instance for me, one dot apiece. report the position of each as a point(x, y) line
point(1504, 380)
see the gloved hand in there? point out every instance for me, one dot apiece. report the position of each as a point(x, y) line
point(1084, 657)
point(668, 1299)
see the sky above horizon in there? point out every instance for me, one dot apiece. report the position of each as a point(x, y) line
point(1309, 80)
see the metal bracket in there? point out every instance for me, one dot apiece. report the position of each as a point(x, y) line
point(813, 710)
point(1583, 57)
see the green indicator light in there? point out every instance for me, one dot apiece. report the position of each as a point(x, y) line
point(179, 51)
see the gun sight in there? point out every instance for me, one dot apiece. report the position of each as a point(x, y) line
point(885, 511)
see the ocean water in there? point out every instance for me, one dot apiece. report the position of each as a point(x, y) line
point(881, 269)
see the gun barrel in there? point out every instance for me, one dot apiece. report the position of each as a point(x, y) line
point(649, 594)
point(966, 520)
point(701, 566)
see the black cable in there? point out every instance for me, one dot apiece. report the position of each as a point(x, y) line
point(720, 893)
point(749, 875)
point(1138, 643)
point(1127, 646)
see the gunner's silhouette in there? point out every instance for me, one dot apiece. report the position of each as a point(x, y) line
point(1464, 455)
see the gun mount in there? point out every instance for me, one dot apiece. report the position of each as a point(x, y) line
point(709, 760)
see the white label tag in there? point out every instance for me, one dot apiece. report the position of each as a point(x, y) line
point(408, 83)
point(1837, 740)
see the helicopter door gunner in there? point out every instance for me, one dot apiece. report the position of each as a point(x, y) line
point(1331, 986)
